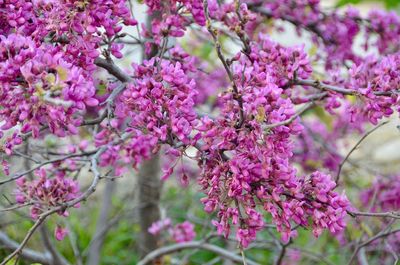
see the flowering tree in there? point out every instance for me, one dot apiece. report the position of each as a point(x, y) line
point(258, 125)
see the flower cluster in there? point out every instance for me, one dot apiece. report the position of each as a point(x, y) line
point(334, 32)
point(376, 80)
point(160, 106)
point(386, 25)
point(43, 16)
point(38, 87)
point(174, 20)
point(60, 232)
point(248, 166)
point(318, 144)
point(182, 232)
point(326, 206)
point(247, 149)
point(384, 193)
point(160, 225)
point(46, 78)
point(46, 192)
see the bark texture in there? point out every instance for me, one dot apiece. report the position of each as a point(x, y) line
point(149, 192)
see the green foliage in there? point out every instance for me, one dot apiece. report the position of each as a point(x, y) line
point(389, 4)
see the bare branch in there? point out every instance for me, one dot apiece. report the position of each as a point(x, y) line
point(82, 197)
point(56, 101)
point(19, 249)
point(221, 57)
point(191, 245)
point(393, 215)
point(57, 258)
point(291, 119)
point(309, 27)
point(382, 234)
point(28, 254)
point(354, 148)
point(113, 69)
point(74, 245)
point(344, 91)
point(18, 175)
point(14, 207)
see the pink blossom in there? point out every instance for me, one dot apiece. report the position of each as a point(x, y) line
point(159, 226)
point(60, 232)
point(183, 232)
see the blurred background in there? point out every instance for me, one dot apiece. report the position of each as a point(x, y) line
point(107, 225)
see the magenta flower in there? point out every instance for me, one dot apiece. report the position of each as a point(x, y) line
point(183, 232)
point(60, 232)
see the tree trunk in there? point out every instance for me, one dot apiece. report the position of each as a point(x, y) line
point(149, 192)
point(99, 235)
point(149, 185)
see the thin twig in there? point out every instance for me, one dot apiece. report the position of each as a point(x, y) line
point(354, 148)
point(18, 175)
point(282, 253)
point(18, 250)
point(28, 254)
point(62, 207)
point(291, 119)
point(369, 241)
point(221, 57)
point(344, 91)
point(14, 207)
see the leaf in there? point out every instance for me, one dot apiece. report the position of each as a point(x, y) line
point(313, 50)
point(51, 78)
point(62, 73)
point(366, 229)
point(323, 116)
point(206, 51)
point(346, 2)
point(101, 90)
point(351, 98)
point(12, 261)
point(390, 4)
point(260, 117)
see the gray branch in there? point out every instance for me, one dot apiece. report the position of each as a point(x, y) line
point(191, 245)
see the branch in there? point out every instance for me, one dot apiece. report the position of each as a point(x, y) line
point(309, 27)
point(57, 258)
point(393, 215)
point(282, 253)
point(28, 254)
point(291, 119)
point(15, 207)
point(354, 148)
point(18, 175)
point(315, 256)
point(58, 102)
point(221, 57)
point(190, 245)
point(113, 69)
point(369, 241)
point(62, 207)
point(321, 86)
point(74, 245)
point(19, 249)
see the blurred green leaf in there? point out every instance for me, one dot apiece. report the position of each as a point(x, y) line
point(389, 4)
point(346, 2)
point(392, 3)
